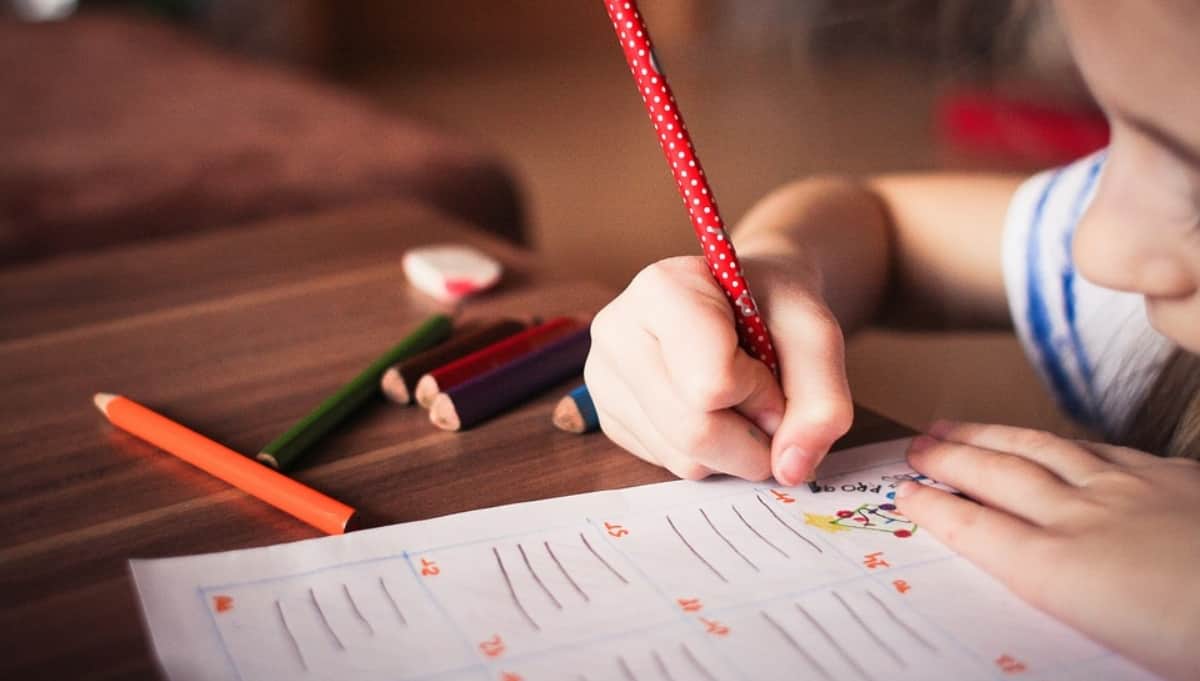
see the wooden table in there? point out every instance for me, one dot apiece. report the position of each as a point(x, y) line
point(237, 333)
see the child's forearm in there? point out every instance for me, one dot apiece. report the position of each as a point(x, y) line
point(908, 250)
point(833, 232)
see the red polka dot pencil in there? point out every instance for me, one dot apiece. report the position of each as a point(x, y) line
point(493, 356)
point(685, 165)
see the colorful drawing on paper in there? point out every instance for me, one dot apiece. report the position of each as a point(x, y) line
point(870, 516)
point(918, 478)
point(829, 523)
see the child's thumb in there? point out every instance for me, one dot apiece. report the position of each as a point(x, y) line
point(818, 408)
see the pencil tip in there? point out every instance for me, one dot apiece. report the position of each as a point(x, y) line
point(268, 459)
point(443, 414)
point(427, 389)
point(101, 401)
point(566, 416)
point(392, 385)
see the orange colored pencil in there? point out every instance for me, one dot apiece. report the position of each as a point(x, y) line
point(307, 504)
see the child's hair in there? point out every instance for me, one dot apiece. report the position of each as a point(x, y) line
point(1168, 420)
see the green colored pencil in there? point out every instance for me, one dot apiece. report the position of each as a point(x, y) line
point(285, 450)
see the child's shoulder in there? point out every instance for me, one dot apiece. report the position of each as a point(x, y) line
point(1094, 347)
point(1052, 201)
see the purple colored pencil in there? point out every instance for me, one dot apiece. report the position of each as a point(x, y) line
point(489, 394)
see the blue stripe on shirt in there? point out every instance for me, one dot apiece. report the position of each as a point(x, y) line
point(1040, 327)
point(1068, 284)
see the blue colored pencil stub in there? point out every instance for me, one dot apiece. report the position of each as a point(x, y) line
point(576, 413)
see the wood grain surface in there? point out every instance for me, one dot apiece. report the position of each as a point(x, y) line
point(236, 334)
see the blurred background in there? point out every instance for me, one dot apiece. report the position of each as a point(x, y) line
point(112, 115)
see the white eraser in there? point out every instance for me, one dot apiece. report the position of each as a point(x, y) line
point(450, 272)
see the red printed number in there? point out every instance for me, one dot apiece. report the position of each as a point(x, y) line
point(616, 530)
point(714, 627)
point(690, 604)
point(1010, 665)
point(901, 586)
point(875, 560)
point(509, 676)
point(429, 568)
point(222, 603)
point(783, 497)
point(493, 647)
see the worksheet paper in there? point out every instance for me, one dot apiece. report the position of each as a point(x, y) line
point(716, 580)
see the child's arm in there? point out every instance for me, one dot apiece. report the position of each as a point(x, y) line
point(665, 371)
point(915, 250)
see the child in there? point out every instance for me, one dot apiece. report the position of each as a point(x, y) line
point(1098, 265)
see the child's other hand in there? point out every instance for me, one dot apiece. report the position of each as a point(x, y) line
point(672, 386)
point(1104, 538)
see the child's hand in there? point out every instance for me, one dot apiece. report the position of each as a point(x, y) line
point(1104, 538)
point(672, 386)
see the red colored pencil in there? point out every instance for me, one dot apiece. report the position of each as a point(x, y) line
point(697, 196)
point(488, 394)
point(489, 358)
point(399, 382)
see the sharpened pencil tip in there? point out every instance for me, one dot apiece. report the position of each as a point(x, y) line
point(393, 387)
point(101, 401)
point(443, 414)
point(427, 390)
point(566, 416)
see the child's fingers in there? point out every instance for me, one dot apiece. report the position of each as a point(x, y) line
point(1121, 456)
point(721, 440)
point(689, 443)
point(1001, 544)
point(630, 426)
point(818, 409)
point(677, 302)
point(645, 448)
point(760, 398)
point(1065, 458)
point(1006, 481)
point(611, 398)
point(606, 391)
